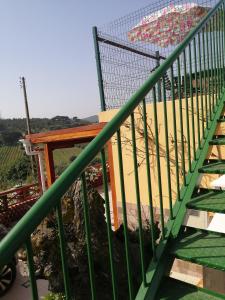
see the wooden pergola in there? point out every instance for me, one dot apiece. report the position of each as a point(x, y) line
point(67, 138)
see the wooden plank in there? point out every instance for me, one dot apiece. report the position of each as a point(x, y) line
point(113, 186)
point(49, 164)
point(69, 134)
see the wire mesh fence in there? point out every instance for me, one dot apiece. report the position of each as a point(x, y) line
point(125, 65)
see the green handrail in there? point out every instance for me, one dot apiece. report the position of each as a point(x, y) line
point(50, 200)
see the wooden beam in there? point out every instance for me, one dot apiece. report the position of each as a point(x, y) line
point(49, 164)
point(113, 186)
point(70, 134)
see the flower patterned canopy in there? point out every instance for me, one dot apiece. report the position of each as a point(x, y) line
point(168, 26)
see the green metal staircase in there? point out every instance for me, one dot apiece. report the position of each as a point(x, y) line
point(201, 55)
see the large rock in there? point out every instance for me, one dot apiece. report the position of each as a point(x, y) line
point(47, 254)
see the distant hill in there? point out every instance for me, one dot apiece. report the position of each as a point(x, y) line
point(91, 119)
point(11, 130)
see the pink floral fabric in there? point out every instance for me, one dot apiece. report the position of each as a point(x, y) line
point(168, 26)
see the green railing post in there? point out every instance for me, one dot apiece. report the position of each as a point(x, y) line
point(151, 213)
point(167, 149)
point(109, 225)
point(99, 69)
point(63, 252)
point(138, 201)
point(31, 269)
point(124, 209)
point(88, 237)
point(158, 161)
point(187, 111)
point(181, 122)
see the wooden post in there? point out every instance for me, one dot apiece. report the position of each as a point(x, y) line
point(49, 164)
point(112, 184)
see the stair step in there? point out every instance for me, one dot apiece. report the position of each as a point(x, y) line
point(217, 167)
point(174, 289)
point(221, 119)
point(218, 141)
point(200, 246)
point(212, 201)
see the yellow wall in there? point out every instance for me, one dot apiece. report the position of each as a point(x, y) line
point(128, 156)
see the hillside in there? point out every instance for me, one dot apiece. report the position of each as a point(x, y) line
point(11, 130)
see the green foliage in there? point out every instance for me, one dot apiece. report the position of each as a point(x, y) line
point(14, 166)
point(20, 170)
point(11, 130)
point(53, 296)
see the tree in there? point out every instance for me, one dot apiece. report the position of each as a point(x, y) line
point(20, 171)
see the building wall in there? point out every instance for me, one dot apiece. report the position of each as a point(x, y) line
point(128, 155)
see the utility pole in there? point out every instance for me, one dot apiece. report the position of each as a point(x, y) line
point(23, 86)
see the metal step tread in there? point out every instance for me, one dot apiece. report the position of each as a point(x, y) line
point(201, 247)
point(218, 141)
point(213, 167)
point(221, 119)
point(212, 201)
point(172, 289)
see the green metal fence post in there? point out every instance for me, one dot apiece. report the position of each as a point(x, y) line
point(99, 69)
point(31, 269)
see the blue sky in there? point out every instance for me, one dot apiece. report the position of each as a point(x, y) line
point(50, 43)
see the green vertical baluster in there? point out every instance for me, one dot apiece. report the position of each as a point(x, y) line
point(109, 225)
point(220, 47)
point(63, 252)
point(196, 93)
point(158, 162)
point(215, 60)
point(200, 72)
point(167, 148)
point(192, 103)
point(175, 134)
point(31, 269)
point(88, 237)
point(223, 34)
point(181, 122)
point(136, 178)
point(217, 54)
point(208, 74)
point(187, 111)
point(149, 180)
point(204, 74)
point(123, 198)
point(212, 68)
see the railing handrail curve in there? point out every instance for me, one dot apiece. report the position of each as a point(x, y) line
point(24, 228)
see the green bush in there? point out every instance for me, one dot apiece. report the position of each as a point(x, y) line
point(53, 296)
